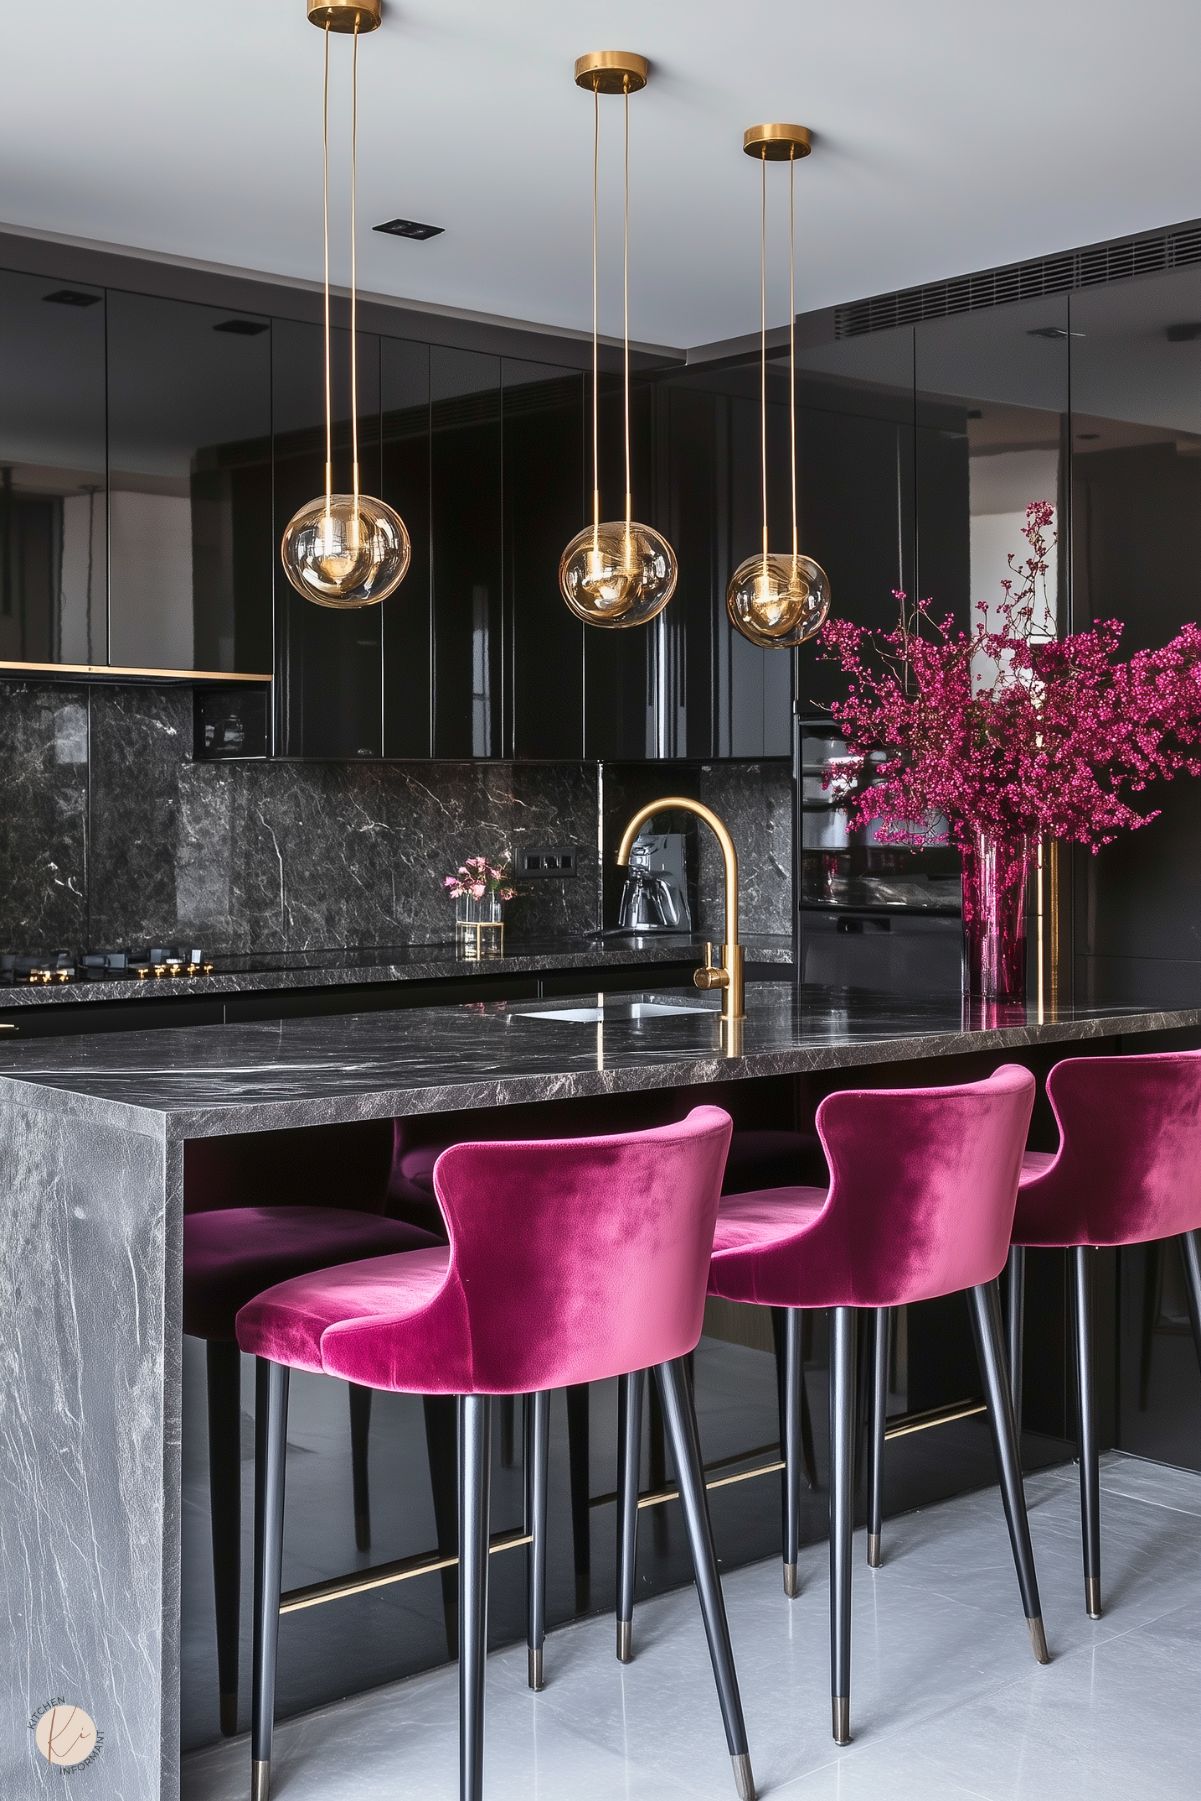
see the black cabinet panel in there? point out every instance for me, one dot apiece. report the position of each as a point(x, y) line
point(467, 550)
point(330, 662)
point(190, 527)
point(53, 538)
point(546, 429)
point(1136, 556)
point(408, 614)
point(627, 673)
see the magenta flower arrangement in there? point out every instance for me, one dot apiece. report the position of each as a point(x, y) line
point(477, 878)
point(1008, 736)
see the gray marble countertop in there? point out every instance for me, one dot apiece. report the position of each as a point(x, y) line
point(399, 963)
point(205, 1081)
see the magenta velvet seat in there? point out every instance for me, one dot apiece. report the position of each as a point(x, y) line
point(233, 1254)
point(1127, 1172)
point(570, 1261)
point(920, 1203)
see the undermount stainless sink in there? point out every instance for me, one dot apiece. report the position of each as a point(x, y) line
point(615, 1010)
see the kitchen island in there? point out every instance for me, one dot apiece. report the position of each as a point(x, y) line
point(92, 1152)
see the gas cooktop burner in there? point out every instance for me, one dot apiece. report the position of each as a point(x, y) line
point(157, 963)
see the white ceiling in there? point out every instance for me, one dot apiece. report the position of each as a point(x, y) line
point(948, 137)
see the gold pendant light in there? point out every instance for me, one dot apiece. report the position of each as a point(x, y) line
point(344, 550)
point(775, 600)
point(614, 573)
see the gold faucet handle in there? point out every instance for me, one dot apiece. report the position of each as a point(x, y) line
point(708, 976)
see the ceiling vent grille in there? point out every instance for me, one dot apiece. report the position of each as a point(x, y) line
point(1175, 248)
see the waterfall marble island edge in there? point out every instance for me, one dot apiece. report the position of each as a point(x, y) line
point(92, 1168)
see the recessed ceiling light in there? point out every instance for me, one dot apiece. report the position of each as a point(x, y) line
point(242, 328)
point(410, 228)
point(71, 297)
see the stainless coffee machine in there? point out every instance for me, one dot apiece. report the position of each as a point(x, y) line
point(655, 896)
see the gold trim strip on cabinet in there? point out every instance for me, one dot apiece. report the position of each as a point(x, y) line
point(295, 1600)
point(175, 675)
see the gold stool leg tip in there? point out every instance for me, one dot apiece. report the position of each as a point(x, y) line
point(792, 1585)
point(1092, 1596)
point(625, 1641)
point(260, 1779)
point(873, 1550)
point(1038, 1639)
point(535, 1668)
point(744, 1781)
point(841, 1711)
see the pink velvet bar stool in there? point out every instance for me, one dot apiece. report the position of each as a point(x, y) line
point(230, 1253)
point(570, 1261)
point(920, 1203)
point(1127, 1172)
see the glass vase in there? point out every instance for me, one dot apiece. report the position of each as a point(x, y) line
point(479, 926)
point(995, 876)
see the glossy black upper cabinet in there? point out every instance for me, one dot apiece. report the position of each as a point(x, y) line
point(53, 574)
point(630, 676)
point(189, 453)
point(329, 661)
point(466, 516)
point(546, 431)
point(408, 614)
point(1136, 556)
point(992, 398)
point(856, 463)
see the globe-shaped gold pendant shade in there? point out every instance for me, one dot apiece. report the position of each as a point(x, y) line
point(618, 574)
point(346, 551)
point(778, 601)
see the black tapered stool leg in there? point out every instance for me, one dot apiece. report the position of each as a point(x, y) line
point(537, 1448)
point(878, 1416)
point(1086, 1427)
point(475, 1468)
point(630, 1391)
point(985, 1304)
point(1190, 1250)
point(578, 1453)
point(225, 1516)
point(270, 1459)
point(843, 1331)
point(794, 1376)
point(1015, 1324)
point(360, 1425)
point(441, 1444)
point(679, 1415)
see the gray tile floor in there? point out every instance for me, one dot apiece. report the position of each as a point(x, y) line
point(947, 1702)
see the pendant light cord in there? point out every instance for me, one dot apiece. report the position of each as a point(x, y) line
point(595, 319)
point(625, 280)
point(792, 347)
point(329, 410)
point(354, 274)
point(763, 346)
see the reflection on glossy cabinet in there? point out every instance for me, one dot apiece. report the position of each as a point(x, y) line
point(189, 477)
point(329, 661)
point(53, 525)
point(407, 615)
point(465, 506)
point(545, 503)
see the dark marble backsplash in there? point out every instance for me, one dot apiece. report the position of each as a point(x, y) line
point(110, 834)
